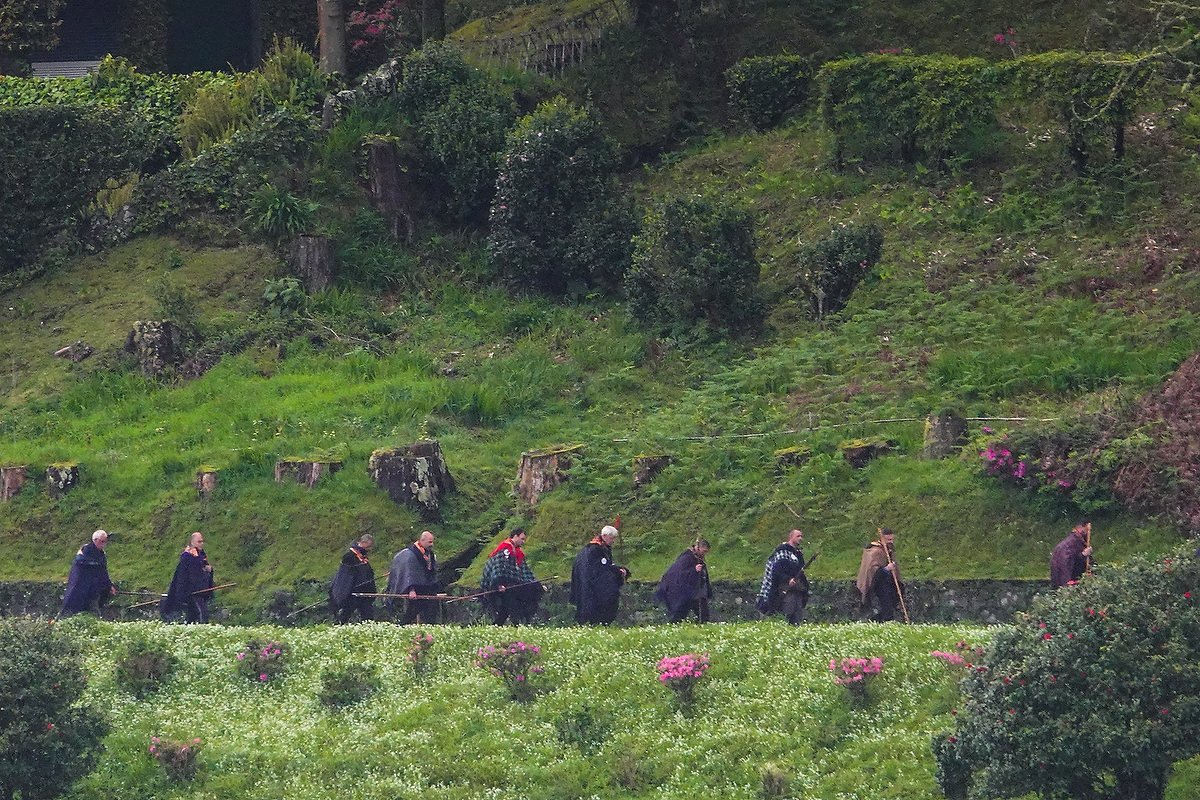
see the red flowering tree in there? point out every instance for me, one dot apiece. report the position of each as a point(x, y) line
point(1092, 695)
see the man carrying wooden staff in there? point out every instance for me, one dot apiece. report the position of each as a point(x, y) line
point(354, 577)
point(414, 574)
point(1072, 556)
point(879, 578)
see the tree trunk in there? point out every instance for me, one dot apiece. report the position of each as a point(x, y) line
point(61, 478)
point(11, 481)
point(542, 470)
point(206, 483)
point(647, 468)
point(331, 18)
point(433, 20)
point(944, 434)
point(415, 475)
point(311, 260)
point(303, 472)
point(391, 189)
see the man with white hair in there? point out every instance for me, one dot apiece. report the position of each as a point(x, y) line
point(88, 585)
point(596, 581)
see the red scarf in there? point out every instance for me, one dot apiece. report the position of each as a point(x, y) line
point(509, 546)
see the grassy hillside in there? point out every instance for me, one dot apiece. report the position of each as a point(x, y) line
point(1008, 287)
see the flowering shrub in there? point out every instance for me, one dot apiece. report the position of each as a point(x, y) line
point(1008, 38)
point(177, 758)
point(377, 25)
point(515, 663)
point(346, 685)
point(855, 674)
point(1091, 694)
point(49, 736)
point(962, 658)
point(418, 656)
point(681, 674)
point(262, 661)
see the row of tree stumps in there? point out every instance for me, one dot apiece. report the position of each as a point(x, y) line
point(416, 475)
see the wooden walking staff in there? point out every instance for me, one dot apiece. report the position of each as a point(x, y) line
point(161, 596)
point(891, 556)
point(1087, 542)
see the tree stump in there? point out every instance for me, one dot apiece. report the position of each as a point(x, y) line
point(391, 188)
point(156, 345)
point(304, 472)
point(542, 470)
point(311, 259)
point(791, 457)
point(61, 478)
point(944, 434)
point(647, 468)
point(413, 475)
point(11, 481)
point(206, 482)
point(859, 453)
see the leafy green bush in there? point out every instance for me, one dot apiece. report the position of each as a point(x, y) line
point(829, 269)
point(343, 686)
point(278, 213)
point(143, 667)
point(55, 159)
point(50, 737)
point(460, 117)
point(765, 90)
point(177, 758)
point(694, 260)
point(907, 104)
point(262, 661)
point(26, 26)
point(1093, 95)
point(1092, 694)
point(558, 221)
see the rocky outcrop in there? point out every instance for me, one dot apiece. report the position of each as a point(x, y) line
point(157, 346)
point(414, 475)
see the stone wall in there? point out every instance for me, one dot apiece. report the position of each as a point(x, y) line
point(974, 601)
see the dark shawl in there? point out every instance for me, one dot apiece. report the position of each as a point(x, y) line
point(413, 570)
point(1067, 561)
point(88, 581)
point(354, 574)
point(681, 583)
point(190, 577)
point(596, 583)
point(784, 564)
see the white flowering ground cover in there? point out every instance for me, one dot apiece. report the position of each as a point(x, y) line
point(604, 727)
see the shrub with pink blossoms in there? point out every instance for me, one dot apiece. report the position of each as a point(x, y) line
point(516, 664)
point(682, 674)
point(855, 674)
point(262, 662)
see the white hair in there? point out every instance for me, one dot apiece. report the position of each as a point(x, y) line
point(98, 535)
point(608, 530)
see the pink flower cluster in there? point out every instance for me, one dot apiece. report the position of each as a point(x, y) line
point(177, 758)
point(514, 663)
point(687, 667)
point(381, 25)
point(260, 662)
point(1001, 461)
point(950, 659)
point(854, 673)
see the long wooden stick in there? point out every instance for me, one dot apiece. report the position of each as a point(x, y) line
point(311, 606)
point(891, 556)
point(441, 596)
point(460, 598)
point(161, 596)
point(1088, 543)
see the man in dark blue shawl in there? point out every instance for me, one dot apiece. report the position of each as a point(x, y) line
point(88, 585)
point(354, 575)
point(596, 581)
point(684, 587)
point(190, 585)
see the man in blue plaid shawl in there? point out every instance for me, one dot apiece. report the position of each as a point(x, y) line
point(784, 584)
point(514, 591)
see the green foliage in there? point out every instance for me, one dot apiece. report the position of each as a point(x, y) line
point(262, 660)
point(144, 33)
point(284, 296)
point(460, 117)
point(177, 758)
point(26, 26)
point(276, 212)
point(55, 159)
point(345, 685)
point(143, 667)
point(694, 261)
point(518, 666)
point(1092, 95)
point(1093, 694)
point(829, 269)
point(216, 112)
point(765, 90)
point(907, 104)
point(176, 302)
point(43, 719)
point(558, 222)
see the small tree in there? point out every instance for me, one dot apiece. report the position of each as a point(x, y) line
point(558, 221)
point(831, 268)
point(694, 260)
point(1091, 695)
point(26, 26)
point(49, 738)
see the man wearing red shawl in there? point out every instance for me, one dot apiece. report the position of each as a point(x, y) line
point(515, 592)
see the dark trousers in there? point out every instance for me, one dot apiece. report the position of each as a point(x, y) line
point(793, 606)
point(427, 610)
point(698, 606)
point(365, 607)
point(196, 610)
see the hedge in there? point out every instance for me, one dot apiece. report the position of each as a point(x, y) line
point(765, 90)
